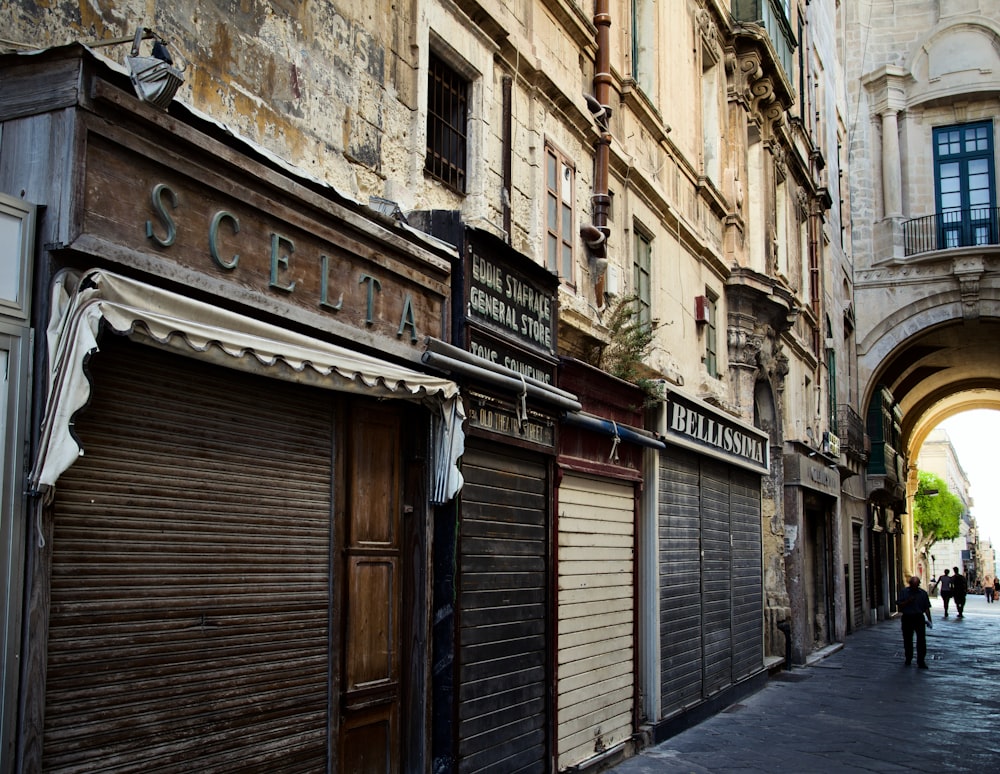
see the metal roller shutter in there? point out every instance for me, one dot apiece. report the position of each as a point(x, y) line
point(711, 585)
point(190, 587)
point(503, 603)
point(748, 580)
point(857, 589)
point(717, 580)
point(680, 583)
point(596, 609)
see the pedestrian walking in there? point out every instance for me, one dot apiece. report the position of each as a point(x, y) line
point(996, 589)
point(988, 589)
point(959, 588)
point(944, 588)
point(913, 605)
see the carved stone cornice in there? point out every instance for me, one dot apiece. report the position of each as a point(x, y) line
point(760, 310)
point(969, 270)
point(756, 78)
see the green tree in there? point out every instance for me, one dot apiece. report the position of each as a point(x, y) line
point(937, 513)
point(630, 340)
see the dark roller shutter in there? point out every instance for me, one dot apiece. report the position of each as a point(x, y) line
point(857, 592)
point(503, 611)
point(680, 583)
point(748, 581)
point(189, 622)
point(711, 586)
point(717, 600)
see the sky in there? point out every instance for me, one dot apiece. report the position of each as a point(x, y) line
point(973, 435)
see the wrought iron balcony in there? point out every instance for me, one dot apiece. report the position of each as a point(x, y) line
point(951, 229)
point(851, 429)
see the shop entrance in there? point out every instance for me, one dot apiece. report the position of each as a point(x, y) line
point(226, 575)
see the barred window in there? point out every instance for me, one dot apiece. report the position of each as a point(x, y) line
point(447, 124)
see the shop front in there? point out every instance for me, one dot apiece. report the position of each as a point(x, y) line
point(702, 579)
point(814, 557)
point(599, 486)
point(237, 453)
point(504, 357)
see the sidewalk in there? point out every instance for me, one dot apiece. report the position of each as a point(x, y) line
point(860, 710)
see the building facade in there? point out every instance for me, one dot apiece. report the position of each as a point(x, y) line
point(381, 250)
point(922, 139)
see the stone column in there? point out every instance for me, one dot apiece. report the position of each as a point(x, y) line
point(892, 178)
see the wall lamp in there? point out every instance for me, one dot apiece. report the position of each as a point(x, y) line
point(154, 77)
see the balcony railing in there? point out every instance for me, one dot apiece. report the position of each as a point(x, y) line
point(851, 429)
point(950, 229)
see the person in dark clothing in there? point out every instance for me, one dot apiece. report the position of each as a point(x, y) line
point(914, 604)
point(959, 589)
point(944, 586)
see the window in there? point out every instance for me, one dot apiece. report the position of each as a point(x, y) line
point(447, 106)
point(643, 37)
point(963, 180)
point(712, 335)
point(559, 178)
point(831, 375)
point(641, 262)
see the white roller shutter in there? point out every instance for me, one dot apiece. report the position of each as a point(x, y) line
point(596, 570)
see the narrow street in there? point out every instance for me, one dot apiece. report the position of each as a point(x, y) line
point(861, 710)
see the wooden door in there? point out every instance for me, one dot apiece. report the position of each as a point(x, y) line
point(371, 689)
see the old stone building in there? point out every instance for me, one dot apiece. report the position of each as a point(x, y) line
point(362, 223)
point(922, 139)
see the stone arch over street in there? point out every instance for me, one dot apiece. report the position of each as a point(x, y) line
point(929, 348)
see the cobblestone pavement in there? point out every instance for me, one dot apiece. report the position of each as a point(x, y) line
point(860, 710)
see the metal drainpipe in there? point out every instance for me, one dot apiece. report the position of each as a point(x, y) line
point(602, 93)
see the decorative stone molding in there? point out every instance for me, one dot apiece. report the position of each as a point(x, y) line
point(744, 348)
point(709, 34)
point(969, 271)
point(801, 204)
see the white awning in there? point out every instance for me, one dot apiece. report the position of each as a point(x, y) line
point(172, 321)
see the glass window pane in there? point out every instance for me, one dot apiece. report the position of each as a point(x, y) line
point(979, 166)
point(10, 263)
point(551, 181)
point(950, 169)
point(979, 198)
point(552, 213)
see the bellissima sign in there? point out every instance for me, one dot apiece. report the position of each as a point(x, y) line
point(694, 424)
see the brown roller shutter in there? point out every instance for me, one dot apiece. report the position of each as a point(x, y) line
point(190, 588)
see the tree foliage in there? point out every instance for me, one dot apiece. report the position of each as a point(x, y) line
point(937, 512)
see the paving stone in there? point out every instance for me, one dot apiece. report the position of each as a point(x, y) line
point(860, 710)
